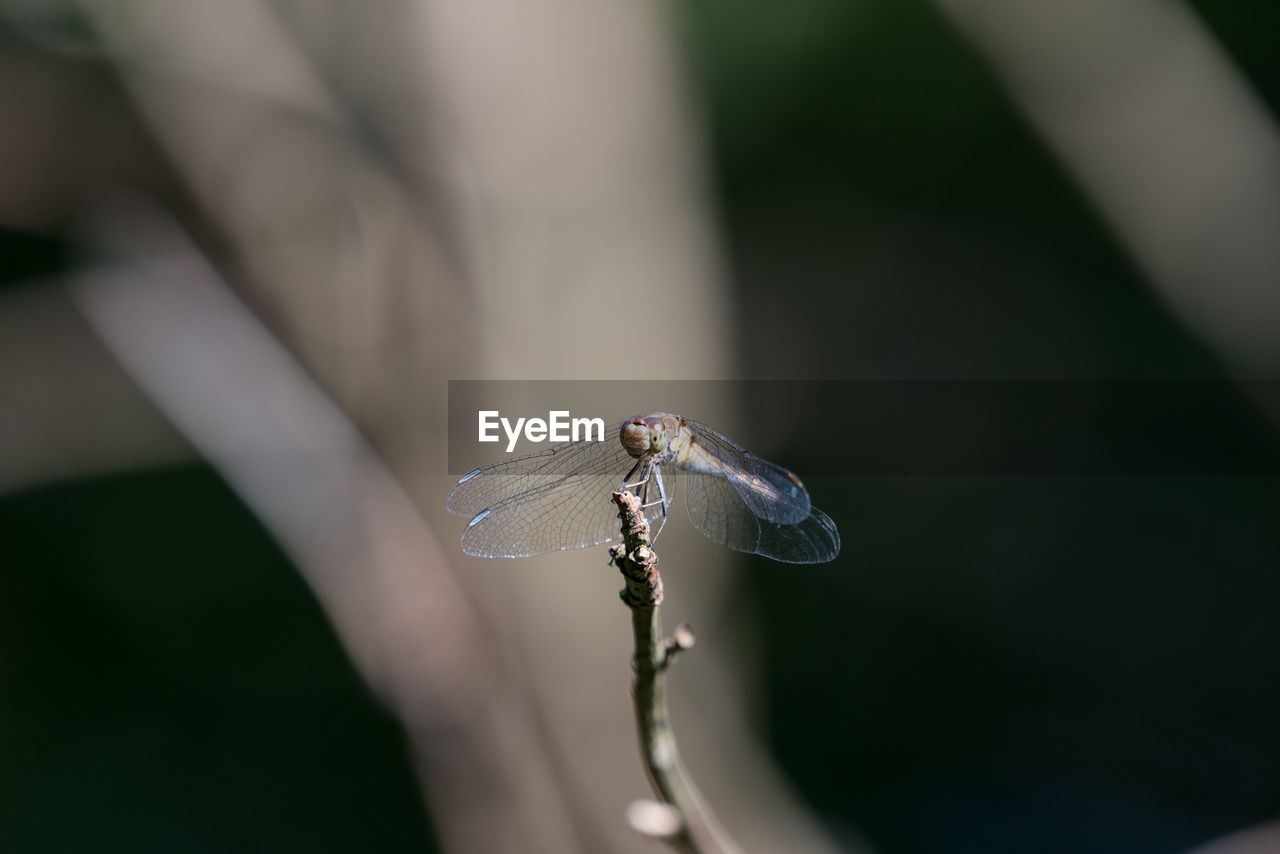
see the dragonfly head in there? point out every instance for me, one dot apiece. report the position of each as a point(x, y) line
point(646, 434)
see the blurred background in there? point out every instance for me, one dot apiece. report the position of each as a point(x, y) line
point(245, 245)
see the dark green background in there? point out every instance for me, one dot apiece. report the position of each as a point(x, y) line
point(1002, 664)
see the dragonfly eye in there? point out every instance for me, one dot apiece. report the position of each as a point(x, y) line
point(648, 435)
point(635, 437)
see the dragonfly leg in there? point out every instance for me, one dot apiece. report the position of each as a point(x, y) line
point(662, 493)
point(628, 483)
point(662, 520)
point(662, 500)
point(625, 480)
point(652, 475)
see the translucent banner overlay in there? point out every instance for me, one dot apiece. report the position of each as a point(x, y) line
point(909, 428)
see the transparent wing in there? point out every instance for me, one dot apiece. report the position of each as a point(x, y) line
point(564, 513)
point(718, 510)
point(547, 501)
point(491, 485)
point(815, 540)
point(771, 492)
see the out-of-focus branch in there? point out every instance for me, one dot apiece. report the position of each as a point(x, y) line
point(454, 189)
point(381, 576)
point(66, 408)
point(1166, 138)
point(1259, 839)
point(335, 250)
point(695, 828)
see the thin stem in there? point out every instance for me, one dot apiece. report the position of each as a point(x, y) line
point(698, 831)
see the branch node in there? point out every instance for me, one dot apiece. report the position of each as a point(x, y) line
point(681, 639)
point(635, 557)
point(655, 820)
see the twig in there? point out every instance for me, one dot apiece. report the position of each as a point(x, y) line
point(683, 820)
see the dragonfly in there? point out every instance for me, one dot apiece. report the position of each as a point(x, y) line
point(558, 498)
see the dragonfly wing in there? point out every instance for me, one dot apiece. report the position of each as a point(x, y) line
point(561, 512)
point(815, 540)
point(489, 486)
point(719, 511)
point(547, 501)
point(772, 492)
